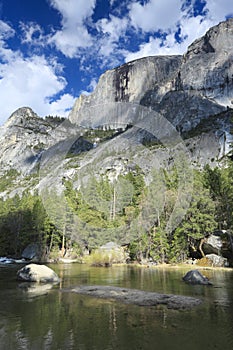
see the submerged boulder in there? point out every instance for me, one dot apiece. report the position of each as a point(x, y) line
point(37, 273)
point(195, 277)
point(138, 297)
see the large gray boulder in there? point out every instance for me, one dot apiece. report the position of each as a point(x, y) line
point(195, 277)
point(217, 260)
point(32, 251)
point(213, 244)
point(37, 273)
point(116, 253)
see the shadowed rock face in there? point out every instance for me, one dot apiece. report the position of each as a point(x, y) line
point(195, 277)
point(32, 251)
point(138, 297)
point(183, 89)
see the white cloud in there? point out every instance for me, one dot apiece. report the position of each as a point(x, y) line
point(114, 27)
point(71, 39)
point(73, 11)
point(155, 15)
point(61, 106)
point(193, 28)
point(111, 2)
point(74, 34)
point(91, 87)
point(190, 27)
point(5, 31)
point(32, 82)
point(152, 47)
point(111, 31)
point(219, 10)
point(92, 84)
point(32, 33)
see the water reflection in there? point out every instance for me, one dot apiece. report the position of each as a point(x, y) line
point(58, 319)
point(35, 289)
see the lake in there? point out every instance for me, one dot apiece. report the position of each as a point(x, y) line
point(53, 319)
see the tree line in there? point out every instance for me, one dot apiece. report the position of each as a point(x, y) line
point(128, 210)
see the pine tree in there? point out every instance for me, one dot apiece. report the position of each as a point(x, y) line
point(198, 222)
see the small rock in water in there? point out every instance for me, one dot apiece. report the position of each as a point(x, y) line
point(195, 277)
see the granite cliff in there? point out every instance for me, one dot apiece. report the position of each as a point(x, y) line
point(145, 103)
point(184, 89)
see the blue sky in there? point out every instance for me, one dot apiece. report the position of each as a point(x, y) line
point(51, 51)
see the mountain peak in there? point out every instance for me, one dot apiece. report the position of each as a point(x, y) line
point(217, 39)
point(21, 116)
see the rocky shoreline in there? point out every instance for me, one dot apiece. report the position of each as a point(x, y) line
point(138, 297)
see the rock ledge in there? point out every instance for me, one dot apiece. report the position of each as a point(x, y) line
point(138, 297)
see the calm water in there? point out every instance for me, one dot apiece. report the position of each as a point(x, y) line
point(53, 319)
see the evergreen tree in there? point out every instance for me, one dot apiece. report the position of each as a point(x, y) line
point(198, 222)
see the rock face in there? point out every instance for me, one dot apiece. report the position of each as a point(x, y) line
point(216, 260)
point(37, 273)
point(184, 90)
point(138, 297)
point(195, 277)
point(115, 252)
point(213, 77)
point(127, 84)
point(32, 251)
point(25, 136)
point(213, 245)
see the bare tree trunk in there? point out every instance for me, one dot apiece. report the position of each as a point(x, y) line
point(161, 241)
point(114, 204)
point(51, 243)
point(200, 247)
point(63, 243)
point(112, 215)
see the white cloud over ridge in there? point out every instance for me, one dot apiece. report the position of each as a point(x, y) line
point(33, 82)
point(190, 26)
point(190, 29)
